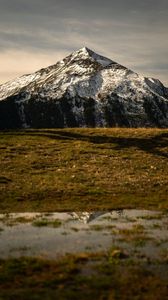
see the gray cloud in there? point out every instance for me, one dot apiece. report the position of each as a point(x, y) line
point(133, 33)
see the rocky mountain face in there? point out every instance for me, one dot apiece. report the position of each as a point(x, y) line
point(83, 90)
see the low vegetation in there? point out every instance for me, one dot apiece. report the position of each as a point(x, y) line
point(83, 169)
point(45, 222)
point(110, 276)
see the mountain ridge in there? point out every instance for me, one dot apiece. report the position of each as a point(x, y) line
point(84, 89)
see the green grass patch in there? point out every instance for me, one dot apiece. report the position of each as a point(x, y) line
point(45, 222)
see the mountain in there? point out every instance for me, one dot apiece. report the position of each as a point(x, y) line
point(83, 90)
point(87, 217)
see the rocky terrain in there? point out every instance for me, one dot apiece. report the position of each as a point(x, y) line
point(83, 90)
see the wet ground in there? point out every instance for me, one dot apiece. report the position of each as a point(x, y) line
point(113, 255)
point(142, 234)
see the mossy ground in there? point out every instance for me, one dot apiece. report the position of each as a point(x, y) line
point(83, 169)
point(84, 276)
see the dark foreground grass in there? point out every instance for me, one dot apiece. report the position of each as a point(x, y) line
point(83, 276)
point(83, 169)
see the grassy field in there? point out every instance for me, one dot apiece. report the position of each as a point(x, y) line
point(83, 169)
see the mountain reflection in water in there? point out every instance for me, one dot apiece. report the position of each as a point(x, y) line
point(54, 234)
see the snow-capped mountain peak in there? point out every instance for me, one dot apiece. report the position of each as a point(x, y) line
point(86, 53)
point(83, 89)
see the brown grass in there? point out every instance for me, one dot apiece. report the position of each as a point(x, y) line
point(83, 169)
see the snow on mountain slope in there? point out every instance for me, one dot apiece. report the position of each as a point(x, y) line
point(85, 89)
point(13, 86)
point(61, 77)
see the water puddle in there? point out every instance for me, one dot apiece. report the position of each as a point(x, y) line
point(140, 233)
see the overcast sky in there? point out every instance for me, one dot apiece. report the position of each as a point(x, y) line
point(37, 33)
